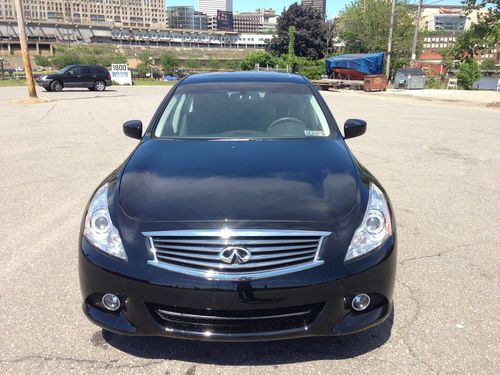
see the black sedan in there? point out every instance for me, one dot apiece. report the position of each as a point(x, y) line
point(241, 215)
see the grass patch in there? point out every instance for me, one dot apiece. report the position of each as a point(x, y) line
point(12, 82)
point(152, 82)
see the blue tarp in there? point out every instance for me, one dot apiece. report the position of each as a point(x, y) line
point(369, 63)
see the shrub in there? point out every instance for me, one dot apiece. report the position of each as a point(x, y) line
point(312, 69)
point(192, 63)
point(434, 82)
point(231, 65)
point(262, 58)
point(42, 61)
point(86, 55)
point(468, 73)
point(213, 64)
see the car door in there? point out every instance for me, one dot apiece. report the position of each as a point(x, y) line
point(88, 76)
point(73, 77)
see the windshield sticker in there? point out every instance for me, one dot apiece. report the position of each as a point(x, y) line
point(314, 133)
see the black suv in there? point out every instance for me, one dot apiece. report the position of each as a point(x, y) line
point(94, 77)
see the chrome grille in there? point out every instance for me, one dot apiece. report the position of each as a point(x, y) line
point(203, 252)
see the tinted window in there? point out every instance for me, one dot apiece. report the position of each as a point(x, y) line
point(86, 70)
point(101, 70)
point(243, 110)
point(75, 71)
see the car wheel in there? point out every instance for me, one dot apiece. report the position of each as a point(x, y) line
point(56, 86)
point(99, 86)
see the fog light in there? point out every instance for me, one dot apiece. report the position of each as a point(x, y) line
point(360, 302)
point(111, 302)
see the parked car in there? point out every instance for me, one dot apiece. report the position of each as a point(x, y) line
point(241, 215)
point(93, 77)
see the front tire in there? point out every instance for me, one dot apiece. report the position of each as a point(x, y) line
point(100, 86)
point(56, 86)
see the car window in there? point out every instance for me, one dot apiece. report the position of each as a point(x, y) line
point(75, 71)
point(86, 70)
point(243, 110)
point(64, 70)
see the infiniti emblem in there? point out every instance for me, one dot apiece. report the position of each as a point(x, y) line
point(235, 255)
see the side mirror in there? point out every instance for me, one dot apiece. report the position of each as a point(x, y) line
point(354, 128)
point(133, 129)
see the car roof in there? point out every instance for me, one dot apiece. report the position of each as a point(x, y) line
point(247, 76)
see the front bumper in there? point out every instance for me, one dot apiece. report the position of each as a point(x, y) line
point(156, 288)
point(44, 83)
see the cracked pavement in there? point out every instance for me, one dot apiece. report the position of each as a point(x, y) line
point(439, 162)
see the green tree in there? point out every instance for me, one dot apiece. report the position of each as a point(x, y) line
point(169, 62)
point(364, 28)
point(468, 73)
point(310, 35)
point(263, 58)
point(145, 67)
point(291, 47)
point(448, 61)
point(489, 64)
point(331, 37)
point(482, 36)
point(66, 58)
point(42, 61)
point(213, 64)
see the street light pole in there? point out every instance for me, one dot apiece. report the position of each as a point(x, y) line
point(24, 49)
point(389, 43)
point(415, 35)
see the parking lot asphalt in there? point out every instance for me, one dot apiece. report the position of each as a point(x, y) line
point(439, 162)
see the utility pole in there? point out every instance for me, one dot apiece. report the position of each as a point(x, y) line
point(389, 43)
point(24, 49)
point(415, 35)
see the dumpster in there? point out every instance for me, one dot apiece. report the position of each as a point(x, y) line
point(375, 82)
point(410, 79)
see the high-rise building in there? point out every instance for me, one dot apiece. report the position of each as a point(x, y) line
point(185, 17)
point(261, 20)
point(318, 4)
point(210, 7)
point(143, 13)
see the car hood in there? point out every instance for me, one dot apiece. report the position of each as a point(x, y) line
point(258, 180)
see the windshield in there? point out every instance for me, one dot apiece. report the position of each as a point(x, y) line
point(243, 110)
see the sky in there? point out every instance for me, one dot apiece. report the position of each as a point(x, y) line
point(333, 7)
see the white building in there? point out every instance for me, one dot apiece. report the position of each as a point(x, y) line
point(210, 7)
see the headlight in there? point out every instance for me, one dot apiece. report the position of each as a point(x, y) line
point(99, 230)
point(375, 228)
